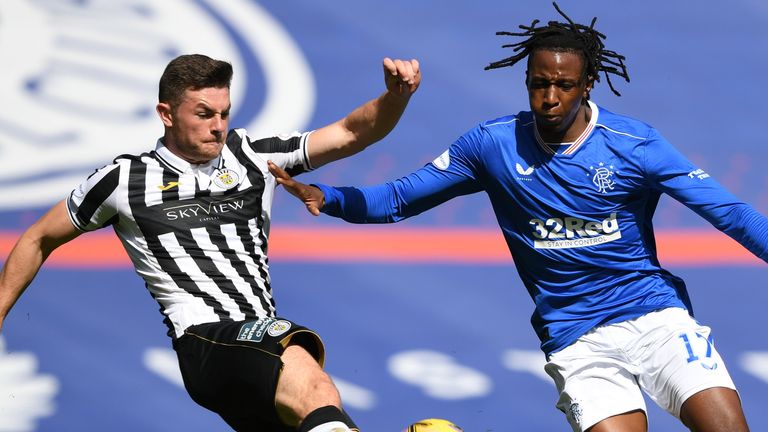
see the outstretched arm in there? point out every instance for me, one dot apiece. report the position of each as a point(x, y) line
point(673, 174)
point(385, 203)
point(369, 122)
point(31, 250)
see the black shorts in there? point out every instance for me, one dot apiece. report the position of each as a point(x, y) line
point(232, 368)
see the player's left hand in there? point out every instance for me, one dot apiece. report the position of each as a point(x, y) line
point(311, 196)
point(402, 77)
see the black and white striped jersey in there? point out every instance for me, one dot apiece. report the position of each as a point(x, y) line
point(197, 234)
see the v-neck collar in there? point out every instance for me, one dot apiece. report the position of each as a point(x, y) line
point(572, 146)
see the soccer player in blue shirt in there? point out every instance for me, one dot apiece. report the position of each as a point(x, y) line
point(574, 188)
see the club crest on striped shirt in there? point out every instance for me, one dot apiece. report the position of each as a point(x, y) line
point(225, 178)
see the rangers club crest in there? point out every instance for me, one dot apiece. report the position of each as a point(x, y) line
point(603, 177)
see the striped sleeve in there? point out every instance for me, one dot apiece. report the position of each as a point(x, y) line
point(287, 151)
point(93, 204)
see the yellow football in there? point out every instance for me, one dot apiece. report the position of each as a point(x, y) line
point(433, 425)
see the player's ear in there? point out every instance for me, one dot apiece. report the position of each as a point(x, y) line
point(588, 87)
point(166, 113)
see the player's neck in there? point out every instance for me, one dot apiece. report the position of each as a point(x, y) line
point(572, 132)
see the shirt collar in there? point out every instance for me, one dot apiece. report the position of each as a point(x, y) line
point(573, 146)
point(178, 164)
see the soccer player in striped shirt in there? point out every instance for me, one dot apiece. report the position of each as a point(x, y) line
point(194, 216)
point(574, 188)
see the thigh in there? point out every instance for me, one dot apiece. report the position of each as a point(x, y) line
point(680, 361)
point(303, 386)
point(635, 421)
point(714, 410)
point(233, 368)
point(593, 384)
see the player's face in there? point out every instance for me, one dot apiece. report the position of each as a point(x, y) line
point(557, 91)
point(197, 128)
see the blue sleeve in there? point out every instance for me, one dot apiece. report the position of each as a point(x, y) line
point(670, 172)
point(450, 175)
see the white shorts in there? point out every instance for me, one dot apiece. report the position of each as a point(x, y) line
point(665, 353)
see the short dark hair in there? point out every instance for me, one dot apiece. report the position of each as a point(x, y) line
point(194, 72)
point(567, 37)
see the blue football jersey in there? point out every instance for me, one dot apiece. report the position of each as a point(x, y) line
point(577, 217)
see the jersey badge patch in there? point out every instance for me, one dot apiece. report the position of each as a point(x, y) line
point(254, 330)
point(278, 327)
point(225, 178)
point(443, 161)
point(603, 177)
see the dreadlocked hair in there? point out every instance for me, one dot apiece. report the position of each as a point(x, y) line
point(570, 37)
